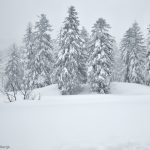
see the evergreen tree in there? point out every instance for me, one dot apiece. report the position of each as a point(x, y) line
point(85, 42)
point(133, 54)
point(118, 66)
point(85, 49)
point(57, 48)
point(43, 58)
point(70, 68)
point(100, 63)
point(28, 55)
point(29, 41)
point(1, 72)
point(13, 70)
point(57, 44)
point(148, 59)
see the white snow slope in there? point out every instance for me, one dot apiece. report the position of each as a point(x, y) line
point(119, 121)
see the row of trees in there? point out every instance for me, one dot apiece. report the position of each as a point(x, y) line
point(76, 57)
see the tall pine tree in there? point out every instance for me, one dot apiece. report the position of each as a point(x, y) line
point(85, 42)
point(133, 54)
point(29, 55)
point(148, 59)
point(85, 49)
point(100, 63)
point(29, 41)
point(70, 68)
point(43, 57)
point(13, 70)
point(118, 66)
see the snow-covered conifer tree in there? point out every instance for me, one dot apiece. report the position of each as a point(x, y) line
point(13, 70)
point(85, 41)
point(57, 48)
point(100, 63)
point(1, 71)
point(85, 49)
point(29, 41)
point(28, 54)
point(133, 55)
point(118, 66)
point(70, 68)
point(148, 59)
point(43, 57)
point(57, 44)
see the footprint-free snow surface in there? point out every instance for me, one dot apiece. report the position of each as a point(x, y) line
point(118, 121)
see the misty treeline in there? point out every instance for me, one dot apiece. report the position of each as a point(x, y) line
point(76, 57)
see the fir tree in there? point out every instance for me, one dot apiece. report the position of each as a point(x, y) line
point(100, 62)
point(28, 55)
point(57, 44)
point(43, 58)
point(70, 68)
point(148, 59)
point(1, 71)
point(118, 66)
point(13, 70)
point(29, 41)
point(85, 42)
point(57, 48)
point(85, 49)
point(133, 54)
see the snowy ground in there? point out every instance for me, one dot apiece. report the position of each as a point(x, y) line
point(119, 121)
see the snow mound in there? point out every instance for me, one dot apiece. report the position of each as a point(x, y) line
point(51, 90)
point(129, 88)
point(118, 88)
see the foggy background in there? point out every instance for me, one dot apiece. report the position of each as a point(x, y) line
point(120, 14)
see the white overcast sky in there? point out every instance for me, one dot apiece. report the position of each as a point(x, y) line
point(120, 14)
